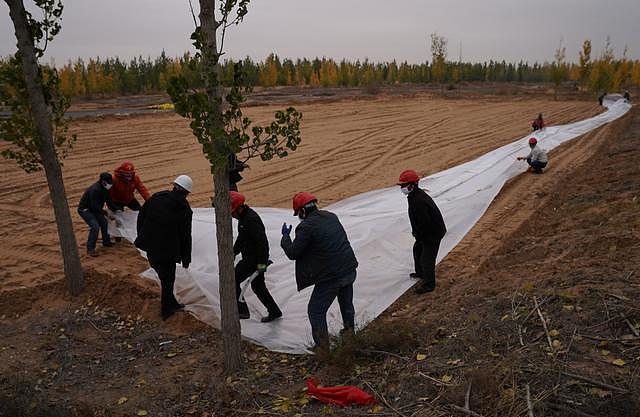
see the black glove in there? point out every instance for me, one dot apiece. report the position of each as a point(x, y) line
point(185, 264)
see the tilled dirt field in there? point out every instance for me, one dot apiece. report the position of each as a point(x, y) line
point(348, 147)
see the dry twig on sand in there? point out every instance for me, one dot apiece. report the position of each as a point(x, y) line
point(631, 326)
point(598, 383)
point(544, 323)
point(529, 405)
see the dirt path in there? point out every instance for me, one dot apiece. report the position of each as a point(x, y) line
point(348, 147)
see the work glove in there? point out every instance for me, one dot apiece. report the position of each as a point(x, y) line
point(520, 158)
point(261, 267)
point(185, 264)
point(286, 231)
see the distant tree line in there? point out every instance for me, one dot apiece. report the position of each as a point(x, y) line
point(109, 76)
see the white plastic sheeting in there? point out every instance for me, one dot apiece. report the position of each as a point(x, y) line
point(379, 231)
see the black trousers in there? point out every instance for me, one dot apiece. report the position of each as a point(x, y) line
point(243, 270)
point(167, 273)
point(424, 257)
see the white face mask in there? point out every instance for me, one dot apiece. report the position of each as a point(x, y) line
point(108, 186)
point(406, 190)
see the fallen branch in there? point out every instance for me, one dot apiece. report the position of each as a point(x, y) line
point(543, 302)
point(404, 358)
point(544, 323)
point(437, 381)
point(466, 411)
point(597, 383)
point(529, 405)
point(631, 326)
point(569, 409)
point(384, 400)
point(467, 396)
point(610, 339)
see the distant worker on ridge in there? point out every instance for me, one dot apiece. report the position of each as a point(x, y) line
point(538, 123)
point(427, 227)
point(627, 96)
point(253, 245)
point(325, 259)
point(537, 158)
point(91, 209)
point(601, 98)
point(125, 183)
point(236, 166)
point(164, 232)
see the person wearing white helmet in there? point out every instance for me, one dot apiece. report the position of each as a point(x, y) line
point(164, 232)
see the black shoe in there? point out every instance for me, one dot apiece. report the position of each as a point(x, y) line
point(244, 316)
point(118, 239)
point(92, 253)
point(414, 275)
point(171, 311)
point(424, 288)
point(347, 332)
point(271, 317)
point(108, 244)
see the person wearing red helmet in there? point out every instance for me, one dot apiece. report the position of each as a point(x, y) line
point(428, 228)
point(125, 183)
point(325, 259)
point(253, 245)
point(537, 158)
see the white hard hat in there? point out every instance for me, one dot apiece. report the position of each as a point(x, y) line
point(185, 182)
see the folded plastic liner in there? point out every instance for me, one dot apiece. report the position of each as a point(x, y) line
point(378, 227)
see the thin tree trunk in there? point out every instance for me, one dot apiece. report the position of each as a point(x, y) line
point(53, 172)
point(230, 322)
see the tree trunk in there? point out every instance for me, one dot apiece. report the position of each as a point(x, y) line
point(53, 172)
point(230, 322)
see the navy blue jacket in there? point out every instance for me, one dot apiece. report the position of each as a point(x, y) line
point(94, 199)
point(321, 250)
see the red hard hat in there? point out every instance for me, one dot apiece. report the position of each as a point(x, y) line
point(301, 199)
point(408, 176)
point(533, 141)
point(127, 166)
point(237, 200)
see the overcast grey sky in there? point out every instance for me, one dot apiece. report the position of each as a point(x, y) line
point(353, 29)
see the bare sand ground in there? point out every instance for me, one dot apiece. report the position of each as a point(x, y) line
point(348, 147)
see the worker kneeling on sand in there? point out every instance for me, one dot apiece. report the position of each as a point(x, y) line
point(253, 245)
point(125, 183)
point(428, 228)
point(324, 258)
point(537, 158)
point(538, 123)
point(91, 209)
point(164, 232)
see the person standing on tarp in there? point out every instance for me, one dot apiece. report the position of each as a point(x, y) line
point(91, 209)
point(324, 258)
point(164, 232)
point(428, 228)
point(125, 183)
point(253, 245)
point(538, 123)
point(601, 97)
point(627, 96)
point(537, 158)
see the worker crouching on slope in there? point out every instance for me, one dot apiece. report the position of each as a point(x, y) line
point(164, 232)
point(428, 228)
point(253, 245)
point(125, 183)
point(324, 258)
point(538, 123)
point(91, 209)
point(537, 158)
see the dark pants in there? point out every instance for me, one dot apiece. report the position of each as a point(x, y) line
point(167, 274)
point(536, 165)
point(321, 299)
point(133, 205)
point(424, 258)
point(96, 222)
point(243, 270)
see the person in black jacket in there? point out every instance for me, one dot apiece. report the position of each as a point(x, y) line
point(324, 258)
point(427, 227)
point(91, 209)
point(164, 232)
point(253, 245)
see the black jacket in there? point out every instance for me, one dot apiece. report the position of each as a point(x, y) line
point(94, 199)
point(252, 240)
point(427, 224)
point(321, 250)
point(164, 227)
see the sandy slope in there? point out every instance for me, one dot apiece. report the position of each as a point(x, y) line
point(348, 147)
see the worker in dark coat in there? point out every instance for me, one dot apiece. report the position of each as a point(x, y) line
point(253, 245)
point(324, 258)
point(428, 228)
point(91, 209)
point(164, 232)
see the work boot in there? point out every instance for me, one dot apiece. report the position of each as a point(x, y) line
point(118, 239)
point(423, 288)
point(107, 244)
point(271, 317)
point(414, 275)
point(92, 253)
point(171, 311)
point(244, 315)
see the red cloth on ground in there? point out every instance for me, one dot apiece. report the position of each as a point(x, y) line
point(339, 395)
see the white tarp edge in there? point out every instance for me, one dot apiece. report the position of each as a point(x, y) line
point(379, 231)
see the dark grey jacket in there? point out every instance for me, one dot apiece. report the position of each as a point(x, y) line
point(427, 224)
point(321, 250)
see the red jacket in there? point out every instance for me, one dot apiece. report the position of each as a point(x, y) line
point(122, 190)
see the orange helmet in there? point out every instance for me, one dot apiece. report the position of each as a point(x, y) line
point(408, 176)
point(301, 199)
point(237, 200)
point(533, 141)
